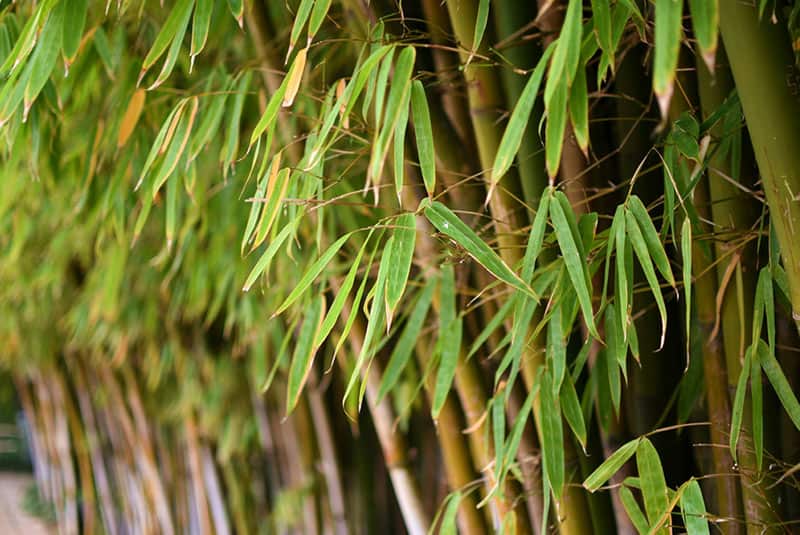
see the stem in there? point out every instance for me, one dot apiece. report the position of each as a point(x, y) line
point(761, 60)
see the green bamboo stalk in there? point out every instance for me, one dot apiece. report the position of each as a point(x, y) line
point(732, 211)
point(760, 58)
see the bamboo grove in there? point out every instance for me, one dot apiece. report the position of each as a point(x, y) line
point(384, 266)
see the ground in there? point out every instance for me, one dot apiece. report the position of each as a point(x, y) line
point(13, 518)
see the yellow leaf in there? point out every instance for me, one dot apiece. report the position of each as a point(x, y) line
point(131, 117)
point(294, 77)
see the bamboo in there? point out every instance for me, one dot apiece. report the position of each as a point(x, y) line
point(760, 58)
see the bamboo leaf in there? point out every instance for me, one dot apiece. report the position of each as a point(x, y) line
point(303, 356)
point(300, 19)
point(779, 383)
point(294, 77)
point(276, 192)
point(448, 525)
point(401, 85)
point(423, 132)
point(757, 410)
point(512, 137)
point(131, 116)
point(481, 19)
point(556, 126)
point(576, 267)
point(705, 23)
point(668, 15)
point(312, 273)
point(236, 8)
point(269, 253)
point(400, 148)
point(399, 258)
point(601, 15)
point(451, 225)
point(536, 237)
point(686, 252)
point(639, 244)
point(552, 435)
point(633, 510)
point(74, 24)
point(176, 148)
point(654, 245)
point(318, 15)
point(493, 324)
point(556, 348)
point(693, 510)
point(341, 297)
point(579, 110)
point(200, 25)
point(43, 59)
point(175, 25)
point(27, 38)
point(448, 344)
point(654, 486)
point(738, 404)
point(404, 347)
point(611, 465)
point(571, 408)
point(567, 54)
point(231, 146)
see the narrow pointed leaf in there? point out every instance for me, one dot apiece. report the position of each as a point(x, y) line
point(303, 356)
point(654, 486)
point(667, 44)
point(693, 510)
point(423, 132)
point(611, 465)
point(400, 258)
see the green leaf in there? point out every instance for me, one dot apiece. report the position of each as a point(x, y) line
point(738, 404)
point(633, 510)
point(601, 16)
point(481, 19)
point(448, 525)
point(571, 408)
point(423, 132)
point(568, 51)
point(231, 146)
point(518, 123)
point(278, 183)
point(579, 110)
point(667, 45)
point(451, 225)
point(705, 23)
point(267, 121)
point(757, 410)
point(200, 24)
point(44, 57)
point(611, 465)
point(400, 148)
point(654, 486)
point(404, 347)
point(318, 15)
point(300, 19)
point(399, 258)
point(552, 435)
point(401, 86)
point(686, 252)
point(175, 25)
point(304, 350)
point(556, 109)
point(536, 237)
point(637, 240)
point(654, 245)
point(493, 324)
point(573, 260)
point(556, 347)
point(74, 23)
point(448, 345)
point(312, 273)
point(341, 296)
point(27, 39)
point(236, 8)
point(693, 510)
point(779, 383)
point(269, 254)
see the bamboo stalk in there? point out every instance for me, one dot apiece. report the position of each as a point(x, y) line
point(761, 59)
